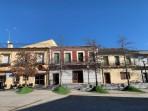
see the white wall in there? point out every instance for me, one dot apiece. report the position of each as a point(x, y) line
point(67, 76)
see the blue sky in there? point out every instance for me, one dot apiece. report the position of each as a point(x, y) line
point(105, 21)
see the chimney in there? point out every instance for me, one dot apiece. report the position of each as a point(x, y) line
point(9, 44)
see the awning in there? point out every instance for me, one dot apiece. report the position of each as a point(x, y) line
point(4, 69)
point(41, 72)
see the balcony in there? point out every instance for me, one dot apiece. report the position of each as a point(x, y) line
point(4, 64)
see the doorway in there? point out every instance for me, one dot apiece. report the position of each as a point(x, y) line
point(77, 77)
point(55, 78)
point(2, 81)
point(40, 79)
point(107, 78)
point(146, 77)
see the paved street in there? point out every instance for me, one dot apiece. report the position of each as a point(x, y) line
point(45, 100)
point(93, 103)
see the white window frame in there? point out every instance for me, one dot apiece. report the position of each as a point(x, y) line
point(43, 57)
point(2, 61)
point(119, 59)
point(70, 53)
point(83, 55)
point(53, 56)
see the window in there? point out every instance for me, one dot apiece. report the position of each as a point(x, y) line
point(5, 59)
point(106, 61)
point(128, 59)
point(117, 61)
point(67, 58)
point(123, 75)
point(2, 78)
point(80, 57)
point(56, 58)
point(40, 58)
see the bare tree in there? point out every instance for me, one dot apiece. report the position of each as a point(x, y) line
point(94, 58)
point(25, 64)
point(124, 45)
point(60, 45)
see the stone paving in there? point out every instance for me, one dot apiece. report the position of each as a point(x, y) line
point(10, 101)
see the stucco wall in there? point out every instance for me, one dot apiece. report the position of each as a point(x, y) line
point(116, 78)
point(67, 76)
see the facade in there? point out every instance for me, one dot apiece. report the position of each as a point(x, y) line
point(74, 65)
point(113, 66)
point(7, 58)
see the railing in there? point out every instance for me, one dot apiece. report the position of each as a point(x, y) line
point(4, 64)
point(116, 65)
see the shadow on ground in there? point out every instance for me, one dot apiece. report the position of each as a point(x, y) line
point(93, 103)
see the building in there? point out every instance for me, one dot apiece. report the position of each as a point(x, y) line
point(113, 66)
point(74, 65)
point(8, 55)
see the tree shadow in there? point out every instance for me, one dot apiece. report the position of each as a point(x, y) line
point(93, 103)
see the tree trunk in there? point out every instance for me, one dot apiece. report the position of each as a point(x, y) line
point(60, 77)
point(126, 71)
point(96, 76)
point(25, 80)
point(103, 76)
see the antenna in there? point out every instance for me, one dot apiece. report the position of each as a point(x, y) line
point(9, 43)
point(9, 36)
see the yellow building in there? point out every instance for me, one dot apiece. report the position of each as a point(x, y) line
point(113, 69)
point(8, 56)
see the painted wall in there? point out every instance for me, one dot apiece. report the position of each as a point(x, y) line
point(135, 75)
point(67, 76)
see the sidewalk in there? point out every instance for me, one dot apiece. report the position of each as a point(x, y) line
point(113, 93)
point(10, 101)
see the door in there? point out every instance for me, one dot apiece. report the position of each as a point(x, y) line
point(107, 78)
point(2, 81)
point(40, 79)
point(1, 85)
point(55, 78)
point(146, 77)
point(77, 77)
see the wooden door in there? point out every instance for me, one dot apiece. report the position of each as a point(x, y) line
point(107, 78)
